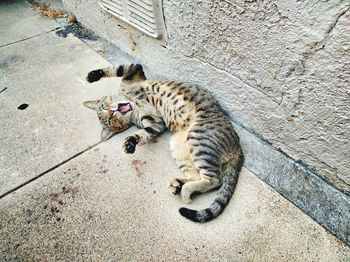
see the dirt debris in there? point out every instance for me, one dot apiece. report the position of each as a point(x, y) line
point(47, 11)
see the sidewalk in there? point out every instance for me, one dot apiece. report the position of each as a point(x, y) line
point(68, 197)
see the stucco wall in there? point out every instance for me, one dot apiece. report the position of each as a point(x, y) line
point(281, 67)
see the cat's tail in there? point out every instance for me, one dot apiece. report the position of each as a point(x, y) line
point(230, 171)
point(131, 73)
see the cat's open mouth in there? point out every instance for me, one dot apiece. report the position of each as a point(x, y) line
point(124, 107)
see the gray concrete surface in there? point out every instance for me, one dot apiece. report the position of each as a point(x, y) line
point(22, 21)
point(281, 67)
point(107, 205)
point(47, 73)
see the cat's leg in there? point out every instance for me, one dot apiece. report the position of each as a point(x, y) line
point(204, 184)
point(95, 75)
point(205, 156)
point(181, 155)
point(153, 127)
point(131, 73)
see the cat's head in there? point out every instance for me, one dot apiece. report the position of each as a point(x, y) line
point(114, 114)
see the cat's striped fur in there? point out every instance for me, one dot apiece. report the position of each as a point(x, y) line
point(204, 143)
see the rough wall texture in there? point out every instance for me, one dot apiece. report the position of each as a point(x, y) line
point(282, 67)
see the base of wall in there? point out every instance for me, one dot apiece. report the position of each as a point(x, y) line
point(298, 183)
point(293, 179)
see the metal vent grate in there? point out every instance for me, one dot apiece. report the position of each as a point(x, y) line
point(145, 15)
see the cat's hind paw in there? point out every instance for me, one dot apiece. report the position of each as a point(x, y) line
point(175, 186)
point(95, 75)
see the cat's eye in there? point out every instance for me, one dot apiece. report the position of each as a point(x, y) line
point(103, 107)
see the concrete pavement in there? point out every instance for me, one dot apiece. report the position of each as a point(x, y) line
point(46, 72)
point(81, 200)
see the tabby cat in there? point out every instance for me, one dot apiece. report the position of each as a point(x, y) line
point(204, 143)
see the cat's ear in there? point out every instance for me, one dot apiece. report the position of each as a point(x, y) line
point(106, 134)
point(91, 104)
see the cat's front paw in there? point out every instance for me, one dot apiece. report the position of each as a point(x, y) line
point(95, 75)
point(130, 144)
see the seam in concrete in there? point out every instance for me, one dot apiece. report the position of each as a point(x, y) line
point(337, 20)
point(3, 90)
point(48, 171)
point(224, 71)
point(30, 37)
point(321, 44)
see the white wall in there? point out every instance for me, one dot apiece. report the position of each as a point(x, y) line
point(281, 67)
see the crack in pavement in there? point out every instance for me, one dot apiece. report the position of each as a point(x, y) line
point(49, 170)
point(3, 90)
point(30, 37)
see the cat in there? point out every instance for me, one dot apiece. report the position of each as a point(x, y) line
point(204, 143)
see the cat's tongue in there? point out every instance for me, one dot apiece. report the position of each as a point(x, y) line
point(124, 108)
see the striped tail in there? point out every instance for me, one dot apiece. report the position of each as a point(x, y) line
point(230, 177)
point(131, 73)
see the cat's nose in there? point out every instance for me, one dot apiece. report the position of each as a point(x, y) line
point(111, 112)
